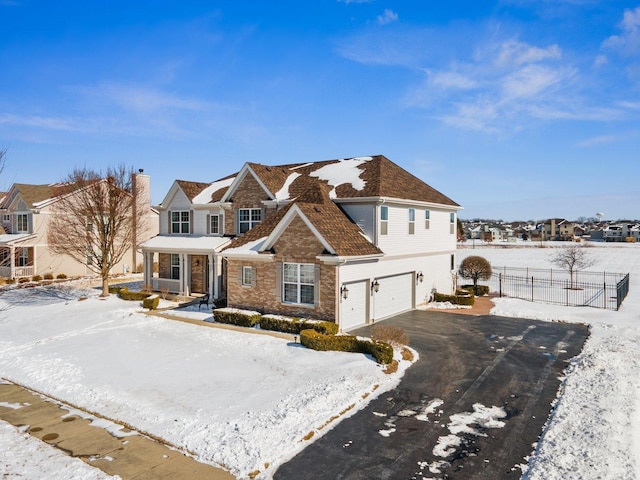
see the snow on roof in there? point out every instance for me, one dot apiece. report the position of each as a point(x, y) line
point(205, 195)
point(249, 248)
point(177, 243)
point(14, 237)
point(343, 171)
point(283, 193)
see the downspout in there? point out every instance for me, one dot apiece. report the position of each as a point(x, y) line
point(339, 293)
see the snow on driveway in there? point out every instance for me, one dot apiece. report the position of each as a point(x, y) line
point(234, 399)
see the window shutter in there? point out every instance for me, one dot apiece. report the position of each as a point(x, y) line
point(237, 221)
point(254, 276)
point(169, 227)
point(278, 281)
point(316, 286)
point(220, 224)
point(30, 222)
point(191, 222)
point(208, 224)
point(240, 274)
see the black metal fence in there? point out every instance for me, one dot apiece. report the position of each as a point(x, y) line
point(557, 287)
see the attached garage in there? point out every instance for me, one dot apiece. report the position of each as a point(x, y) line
point(353, 309)
point(394, 295)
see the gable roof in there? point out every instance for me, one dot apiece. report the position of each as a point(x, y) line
point(191, 189)
point(31, 194)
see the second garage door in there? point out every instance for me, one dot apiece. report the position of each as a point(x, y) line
point(394, 295)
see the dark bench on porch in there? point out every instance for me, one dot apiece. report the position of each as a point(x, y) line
point(204, 300)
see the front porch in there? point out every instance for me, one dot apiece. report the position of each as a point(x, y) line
point(16, 260)
point(185, 265)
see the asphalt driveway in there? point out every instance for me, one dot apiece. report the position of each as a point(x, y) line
point(471, 408)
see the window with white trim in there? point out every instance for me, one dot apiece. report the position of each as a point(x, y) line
point(299, 283)
point(180, 221)
point(384, 220)
point(23, 257)
point(22, 222)
point(248, 218)
point(215, 224)
point(175, 266)
point(427, 215)
point(412, 221)
point(6, 217)
point(452, 223)
point(247, 276)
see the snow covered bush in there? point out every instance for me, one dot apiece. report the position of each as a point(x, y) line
point(462, 297)
point(381, 351)
point(125, 294)
point(296, 325)
point(233, 316)
point(151, 303)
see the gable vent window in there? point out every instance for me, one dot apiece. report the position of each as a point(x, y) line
point(412, 221)
point(427, 214)
point(384, 220)
point(248, 218)
point(180, 221)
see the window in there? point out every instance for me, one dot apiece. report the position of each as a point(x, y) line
point(247, 276)
point(384, 220)
point(180, 222)
point(412, 221)
point(22, 222)
point(427, 214)
point(299, 283)
point(175, 266)
point(453, 262)
point(23, 257)
point(215, 225)
point(6, 217)
point(452, 223)
point(248, 218)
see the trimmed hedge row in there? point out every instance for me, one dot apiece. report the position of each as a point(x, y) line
point(241, 318)
point(381, 351)
point(296, 325)
point(482, 289)
point(460, 298)
point(125, 294)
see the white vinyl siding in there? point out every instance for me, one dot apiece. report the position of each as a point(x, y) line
point(363, 215)
point(353, 309)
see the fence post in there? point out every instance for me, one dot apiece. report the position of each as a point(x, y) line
point(500, 284)
point(531, 288)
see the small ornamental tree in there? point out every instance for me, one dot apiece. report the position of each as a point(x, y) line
point(476, 268)
point(572, 259)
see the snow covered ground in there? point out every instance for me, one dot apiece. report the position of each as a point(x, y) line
point(244, 400)
point(240, 400)
point(594, 431)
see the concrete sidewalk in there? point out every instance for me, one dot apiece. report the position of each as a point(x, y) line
point(118, 451)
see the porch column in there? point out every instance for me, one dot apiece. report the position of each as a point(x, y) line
point(12, 257)
point(213, 278)
point(148, 268)
point(185, 273)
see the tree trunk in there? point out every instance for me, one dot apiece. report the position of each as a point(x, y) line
point(105, 286)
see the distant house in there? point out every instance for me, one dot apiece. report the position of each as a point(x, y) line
point(558, 229)
point(622, 231)
point(352, 240)
point(24, 252)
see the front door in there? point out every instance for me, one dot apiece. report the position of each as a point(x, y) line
point(199, 274)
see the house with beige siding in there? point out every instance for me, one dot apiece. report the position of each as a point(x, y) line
point(26, 211)
point(350, 240)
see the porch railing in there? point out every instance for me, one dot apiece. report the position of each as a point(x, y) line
point(17, 272)
point(172, 286)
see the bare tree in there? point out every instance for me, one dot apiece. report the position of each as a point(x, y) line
point(572, 259)
point(94, 219)
point(475, 268)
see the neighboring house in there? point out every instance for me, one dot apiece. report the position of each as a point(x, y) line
point(24, 252)
point(558, 229)
point(351, 241)
point(622, 231)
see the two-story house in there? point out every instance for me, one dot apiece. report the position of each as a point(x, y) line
point(558, 229)
point(352, 240)
point(26, 210)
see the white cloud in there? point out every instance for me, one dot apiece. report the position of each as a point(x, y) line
point(533, 80)
point(600, 61)
point(388, 16)
point(628, 42)
point(515, 53)
point(452, 80)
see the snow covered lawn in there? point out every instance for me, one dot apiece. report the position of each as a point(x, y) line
point(594, 431)
point(235, 399)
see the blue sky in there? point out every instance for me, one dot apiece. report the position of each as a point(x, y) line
point(516, 109)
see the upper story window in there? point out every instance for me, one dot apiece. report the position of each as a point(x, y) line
point(427, 215)
point(412, 221)
point(299, 283)
point(6, 217)
point(452, 223)
point(384, 220)
point(180, 222)
point(22, 222)
point(248, 218)
point(215, 224)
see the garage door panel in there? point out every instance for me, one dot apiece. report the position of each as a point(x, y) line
point(395, 295)
point(353, 309)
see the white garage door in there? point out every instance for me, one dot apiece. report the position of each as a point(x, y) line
point(395, 295)
point(353, 310)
